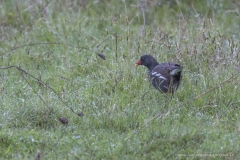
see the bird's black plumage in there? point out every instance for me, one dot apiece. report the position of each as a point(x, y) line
point(165, 77)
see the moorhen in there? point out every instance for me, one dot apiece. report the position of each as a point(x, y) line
point(165, 77)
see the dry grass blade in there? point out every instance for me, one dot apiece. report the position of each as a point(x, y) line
point(101, 56)
point(63, 120)
point(38, 155)
point(20, 30)
point(42, 43)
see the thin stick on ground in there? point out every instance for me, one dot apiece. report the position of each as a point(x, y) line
point(42, 43)
point(179, 106)
point(40, 82)
point(27, 22)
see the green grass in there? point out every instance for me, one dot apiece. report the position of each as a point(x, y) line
point(59, 47)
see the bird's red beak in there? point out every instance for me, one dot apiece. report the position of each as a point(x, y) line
point(138, 63)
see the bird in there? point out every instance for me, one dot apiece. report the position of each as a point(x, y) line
point(165, 77)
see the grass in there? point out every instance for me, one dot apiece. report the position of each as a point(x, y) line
point(50, 67)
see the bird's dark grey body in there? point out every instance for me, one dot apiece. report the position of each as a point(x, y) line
point(165, 77)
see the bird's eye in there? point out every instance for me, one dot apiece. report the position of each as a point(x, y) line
point(142, 59)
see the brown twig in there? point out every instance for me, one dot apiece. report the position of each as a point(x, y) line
point(42, 43)
point(27, 22)
point(34, 90)
point(40, 82)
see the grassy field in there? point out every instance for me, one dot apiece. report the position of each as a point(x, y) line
point(76, 59)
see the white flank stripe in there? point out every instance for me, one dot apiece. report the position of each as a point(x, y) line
point(165, 87)
point(154, 73)
point(158, 75)
point(161, 77)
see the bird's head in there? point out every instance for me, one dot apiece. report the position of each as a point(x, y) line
point(148, 61)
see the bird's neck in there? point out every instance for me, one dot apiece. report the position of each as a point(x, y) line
point(153, 65)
